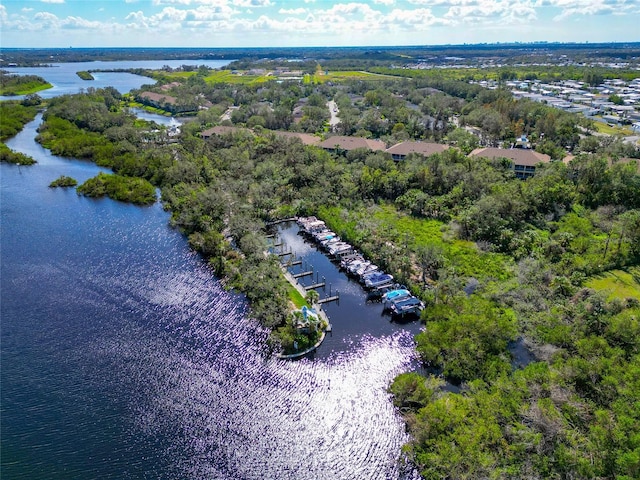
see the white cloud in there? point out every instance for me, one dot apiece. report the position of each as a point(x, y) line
point(292, 11)
point(571, 8)
point(252, 3)
point(419, 18)
point(185, 21)
point(214, 3)
point(52, 1)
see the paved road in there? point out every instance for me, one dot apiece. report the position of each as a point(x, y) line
point(333, 109)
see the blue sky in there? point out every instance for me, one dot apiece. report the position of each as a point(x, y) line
point(277, 23)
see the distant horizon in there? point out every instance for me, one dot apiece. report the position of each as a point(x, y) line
point(312, 23)
point(204, 47)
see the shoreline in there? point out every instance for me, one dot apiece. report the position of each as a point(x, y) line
point(321, 314)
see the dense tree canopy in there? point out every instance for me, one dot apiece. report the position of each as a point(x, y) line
point(494, 258)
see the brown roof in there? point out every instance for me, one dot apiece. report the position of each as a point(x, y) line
point(158, 97)
point(305, 138)
point(222, 130)
point(351, 143)
point(519, 156)
point(423, 148)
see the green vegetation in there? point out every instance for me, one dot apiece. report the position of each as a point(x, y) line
point(63, 181)
point(211, 77)
point(9, 156)
point(21, 84)
point(612, 130)
point(123, 189)
point(494, 258)
point(340, 76)
point(619, 284)
point(296, 297)
point(84, 75)
point(593, 76)
point(13, 116)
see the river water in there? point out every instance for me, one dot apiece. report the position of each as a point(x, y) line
point(124, 358)
point(64, 80)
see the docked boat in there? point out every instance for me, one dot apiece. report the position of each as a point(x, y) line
point(339, 248)
point(377, 280)
point(389, 303)
point(391, 294)
point(367, 267)
point(410, 306)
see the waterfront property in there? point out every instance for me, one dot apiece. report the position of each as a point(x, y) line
point(165, 102)
point(397, 300)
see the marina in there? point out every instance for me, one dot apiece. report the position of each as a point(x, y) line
point(374, 287)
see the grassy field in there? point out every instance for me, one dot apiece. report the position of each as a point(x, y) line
point(341, 76)
point(402, 229)
point(221, 76)
point(25, 88)
point(619, 283)
point(609, 130)
point(296, 297)
point(463, 256)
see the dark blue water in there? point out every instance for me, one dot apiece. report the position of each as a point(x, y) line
point(123, 357)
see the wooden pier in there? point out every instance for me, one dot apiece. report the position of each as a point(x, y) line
point(303, 274)
point(335, 298)
point(315, 285)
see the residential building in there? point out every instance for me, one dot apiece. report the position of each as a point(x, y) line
point(339, 144)
point(401, 150)
point(524, 160)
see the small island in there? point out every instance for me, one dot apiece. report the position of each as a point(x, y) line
point(21, 84)
point(84, 75)
point(64, 181)
point(117, 187)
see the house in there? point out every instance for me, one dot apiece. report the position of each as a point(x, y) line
point(340, 144)
point(524, 160)
point(165, 102)
point(401, 150)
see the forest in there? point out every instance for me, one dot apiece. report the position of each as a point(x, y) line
point(497, 260)
point(13, 116)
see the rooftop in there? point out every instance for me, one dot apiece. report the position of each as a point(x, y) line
point(519, 156)
point(423, 148)
point(351, 143)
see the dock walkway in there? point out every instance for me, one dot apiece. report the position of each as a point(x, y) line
point(290, 278)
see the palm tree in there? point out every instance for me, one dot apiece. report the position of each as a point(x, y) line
point(312, 297)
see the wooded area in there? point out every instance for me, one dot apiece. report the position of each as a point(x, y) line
point(495, 259)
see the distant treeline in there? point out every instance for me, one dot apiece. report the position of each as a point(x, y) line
point(396, 54)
